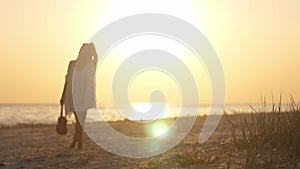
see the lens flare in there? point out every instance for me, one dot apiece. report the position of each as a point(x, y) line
point(158, 128)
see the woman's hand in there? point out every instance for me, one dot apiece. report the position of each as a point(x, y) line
point(95, 59)
point(62, 102)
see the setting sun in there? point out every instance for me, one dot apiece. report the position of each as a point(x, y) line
point(149, 84)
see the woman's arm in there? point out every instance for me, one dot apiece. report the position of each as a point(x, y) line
point(62, 99)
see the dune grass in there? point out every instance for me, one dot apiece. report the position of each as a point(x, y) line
point(265, 138)
point(262, 139)
point(265, 133)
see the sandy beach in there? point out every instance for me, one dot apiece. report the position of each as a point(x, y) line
point(39, 146)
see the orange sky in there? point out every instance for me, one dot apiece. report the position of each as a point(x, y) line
point(257, 43)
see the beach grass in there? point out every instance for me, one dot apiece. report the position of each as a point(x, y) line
point(267, 133)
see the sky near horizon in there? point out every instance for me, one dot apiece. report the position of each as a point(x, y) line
point(257, 43)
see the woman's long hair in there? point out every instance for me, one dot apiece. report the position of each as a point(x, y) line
point(87, 53)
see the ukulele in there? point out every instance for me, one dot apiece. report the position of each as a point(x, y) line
point(61, 127)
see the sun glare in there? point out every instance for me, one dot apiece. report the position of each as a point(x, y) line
point(142, 107)
point(182, 9)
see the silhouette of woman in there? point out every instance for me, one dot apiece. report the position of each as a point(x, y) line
point(79, 90)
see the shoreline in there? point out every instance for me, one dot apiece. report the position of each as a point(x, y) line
point(72, 122)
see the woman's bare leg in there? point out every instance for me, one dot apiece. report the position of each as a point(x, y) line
point(78, 133)
point(77, 138)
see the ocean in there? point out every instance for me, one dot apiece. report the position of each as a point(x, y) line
point(33, 114)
